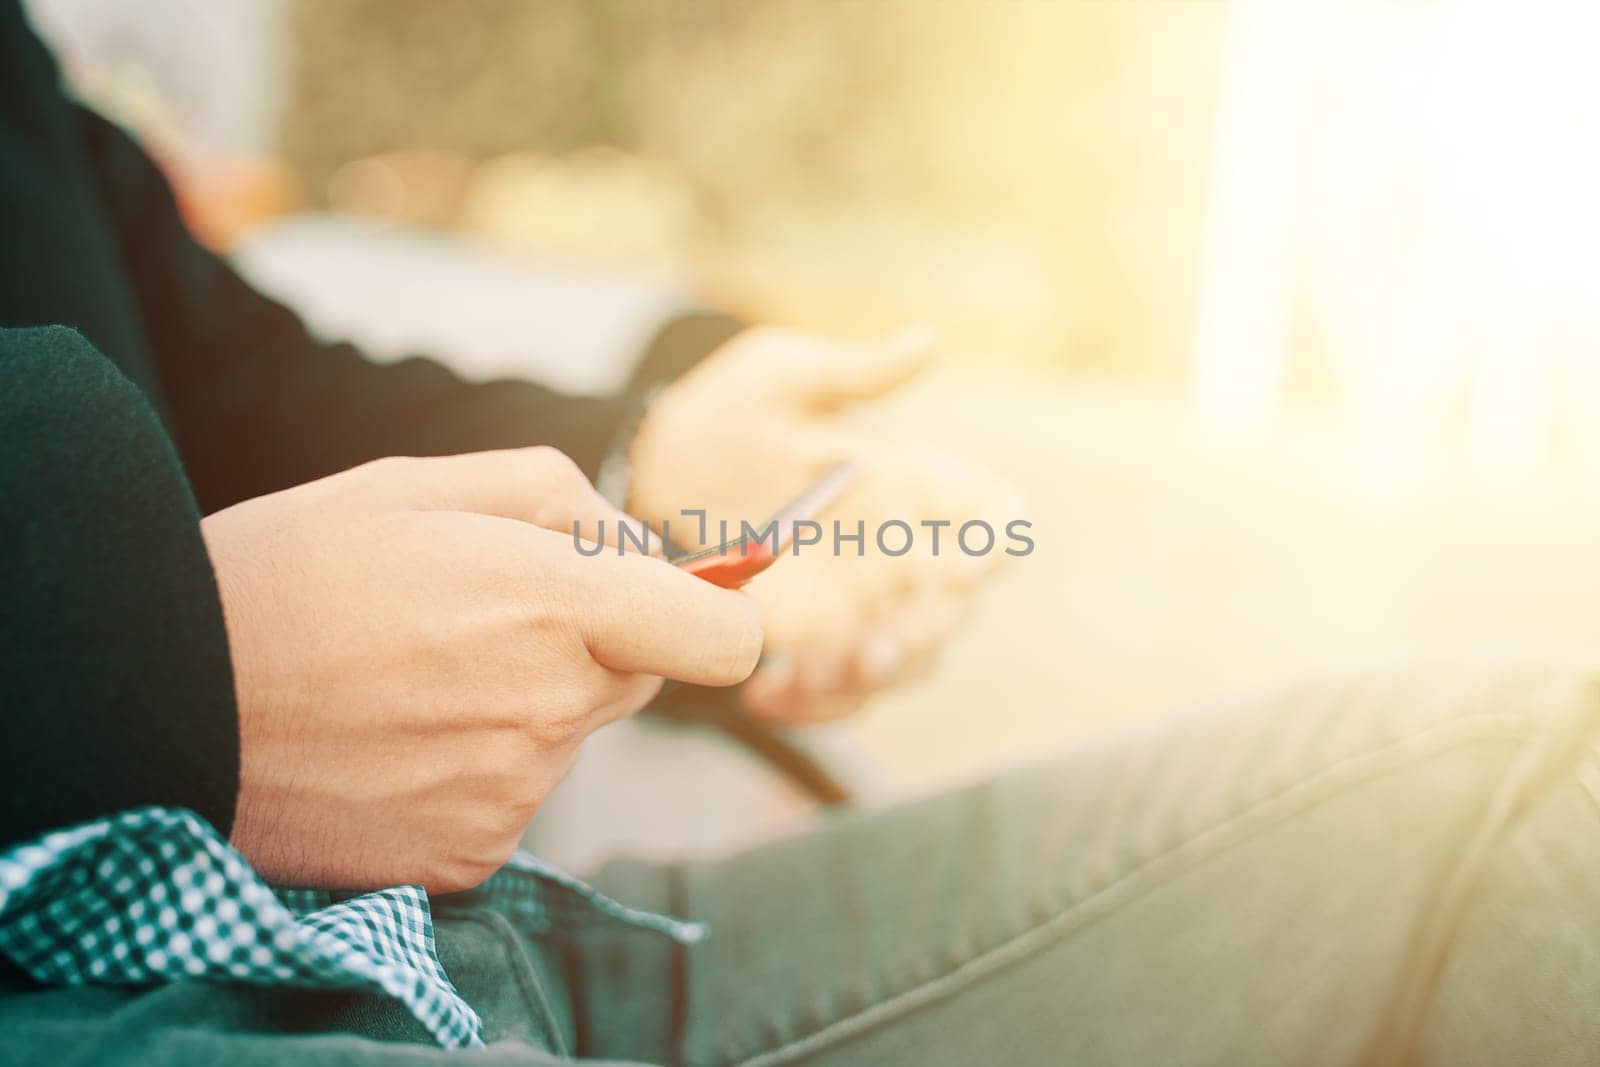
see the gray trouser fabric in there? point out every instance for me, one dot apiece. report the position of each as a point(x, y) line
point(1376, 870)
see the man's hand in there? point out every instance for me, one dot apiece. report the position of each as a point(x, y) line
point(752, 425)
point(419, 649)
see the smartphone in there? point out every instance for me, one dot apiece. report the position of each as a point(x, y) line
point(733, 563)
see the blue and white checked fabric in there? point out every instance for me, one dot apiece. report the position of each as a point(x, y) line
point(156, 895)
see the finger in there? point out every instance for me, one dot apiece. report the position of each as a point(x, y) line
point(965, 514)
point(914, 633)
point(774, 689)
point(536, 485)
point(645, 616)
point(898, 645)
point(824, 374)
point(812, 710)
point(628, 694)
point(882, 656)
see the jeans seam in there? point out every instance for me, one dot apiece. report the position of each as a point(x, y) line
point(1548, 754)
point(505, 936)
point(1199, 847)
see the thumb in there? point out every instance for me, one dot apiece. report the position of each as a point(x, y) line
point(830, 374)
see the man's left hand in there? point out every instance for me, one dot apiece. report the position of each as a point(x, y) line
point(749, 428)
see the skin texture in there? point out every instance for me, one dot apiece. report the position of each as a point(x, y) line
point(755, 423)
point(419, 650)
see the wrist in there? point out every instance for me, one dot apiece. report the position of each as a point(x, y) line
point(650, 462)
point(637, 463)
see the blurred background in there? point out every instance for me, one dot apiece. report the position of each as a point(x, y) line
point(1284, 315)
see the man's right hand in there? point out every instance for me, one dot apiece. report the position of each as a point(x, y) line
point(419, 649)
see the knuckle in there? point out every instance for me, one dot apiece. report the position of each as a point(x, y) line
point(559, 489)
point(553, 465)
point(561, 718)
point(558, 728)
point(458, 875)
point(387, 468)
point(484, 845)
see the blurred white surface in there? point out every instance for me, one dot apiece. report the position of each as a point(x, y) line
point(403, 292)
point(217, 67)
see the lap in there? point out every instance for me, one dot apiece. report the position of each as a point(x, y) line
point(1323, 876)
point(1336, 874)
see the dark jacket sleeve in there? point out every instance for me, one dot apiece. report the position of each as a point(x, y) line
point(257, 404)
point(117, 689)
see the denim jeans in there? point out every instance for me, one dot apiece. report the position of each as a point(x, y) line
point(1395, 868)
